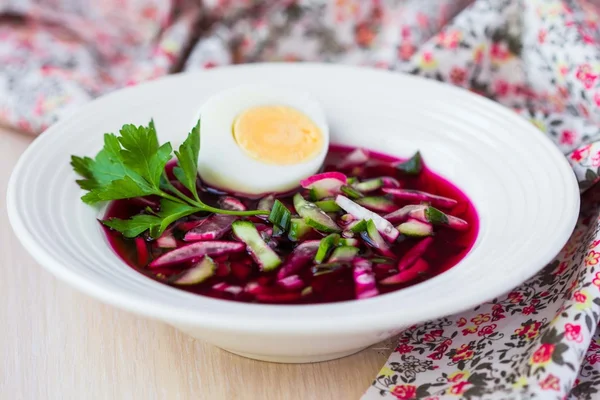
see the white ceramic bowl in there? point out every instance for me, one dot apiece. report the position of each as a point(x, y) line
point(523, 189)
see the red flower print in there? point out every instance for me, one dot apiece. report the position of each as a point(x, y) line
point(461, 322)
point(405, 392)
point(597, 98)
point(596, 160)
point(515, 297)
point(551, 382)
point(436, 356)
point(364, 35)
point(528, 310)
point(469, 330)
point(498, 315)
point(542, 35)
point(406, 51)
point(593, 358)
point(480, 319)
point(585, 75)
point(579, 297)
point(430, 337)
point(573, 332)
point(543, 355)
point(404, 348)
point(566, 137)
point(596, 280)
point(581, 153)
point(464, 352)
point(592, 258)
point(458, 376)
point(562, 267)
point(449, 39)
point(499, 52)
point(501, 87)
point(529, 330)
point(487, 330)
point(459, 388)
point(458, 75)
point(209, 65)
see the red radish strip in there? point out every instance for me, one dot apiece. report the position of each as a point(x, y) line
point(414, 254)
point(195, 251)
point(384, 226)
point(189, 225)
point(325, 184)
point(240, 270)
point(300, 257)
point(166, 240)
point(416, 195)
point(419, 267)
point(389, 182)
point(357, 157)
point(214, 227)
point(227, 288)
point(364, 280)
point(436, 217)
point(291, 282)
point(402, 214)
point(142, 251)
point(223, 269)
point(231, 203)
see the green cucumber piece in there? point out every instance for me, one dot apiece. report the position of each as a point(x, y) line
point(325, 246)
point(358, 226)
point(343, 254)
point(314, 216)
point(323, 269)
point(415, 228)
point(198, 273)
point(328, 206)
point(436, 216)
point(376, 239)
point(263, 254)
point(348, 242)
point(351, 192)
point(352, 180)
point(280, 216)
point(298, 229)
point(412, 166)
point(378, 203)
point(369, 185)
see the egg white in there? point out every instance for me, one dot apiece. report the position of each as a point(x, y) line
point(223, 164)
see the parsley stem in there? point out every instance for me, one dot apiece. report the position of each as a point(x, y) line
point(233, 212)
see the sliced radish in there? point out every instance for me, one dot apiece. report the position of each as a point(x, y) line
point(292, 282)
point(357, 157)
point(389, 182)
point(437, 217)
point(195, 251)
point(214, 227)
point(383, 226)
point(324, 185)
point(364, 279)
point(142, 251)
point(227, 288)
point(231, 203)
point(418, 268)
point(417, 195)
point(402, 214)
point(414, 254)
point(166, 240)
point(300, 257)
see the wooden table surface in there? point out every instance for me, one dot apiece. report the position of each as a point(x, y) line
point(56, 343)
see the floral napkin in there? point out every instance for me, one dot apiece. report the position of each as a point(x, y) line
point(539, 57)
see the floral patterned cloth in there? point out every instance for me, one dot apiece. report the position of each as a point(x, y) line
point(539, 57)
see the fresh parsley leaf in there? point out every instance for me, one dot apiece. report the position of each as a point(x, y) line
point(187, 158)
point(125, 188)
point(170, 212)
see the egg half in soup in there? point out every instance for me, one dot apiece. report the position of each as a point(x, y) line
point(260, 139)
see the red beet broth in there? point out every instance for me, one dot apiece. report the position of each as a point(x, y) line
point(236, 270)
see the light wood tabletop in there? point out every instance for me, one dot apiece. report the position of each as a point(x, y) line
point(56, 343)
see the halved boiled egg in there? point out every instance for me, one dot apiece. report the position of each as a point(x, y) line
point(257, 139)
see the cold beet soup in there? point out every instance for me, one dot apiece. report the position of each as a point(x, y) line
point(368, 224)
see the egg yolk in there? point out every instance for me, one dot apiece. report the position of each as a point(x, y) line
point(277, 135)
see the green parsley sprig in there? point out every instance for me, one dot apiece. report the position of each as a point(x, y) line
point(133, 165)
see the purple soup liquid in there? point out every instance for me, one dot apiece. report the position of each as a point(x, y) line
point(448, 248)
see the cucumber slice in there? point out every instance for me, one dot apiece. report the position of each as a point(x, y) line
point(351, 192)
point(266, 203)
point(280, 215)
point(378, 203)
point(369, 185)
point(324, 269)
point(298, 229)
point(314, 216)
point(328, 206)
point(198, 273)
point(358, 226)
point(352, 180)
point(262, 253)
point(415, 228)
point(373, 237)
point(359, 212)
point(348, 242)
point(437, 217)
point(325, 246)
point(343, 253)
point(412, 166)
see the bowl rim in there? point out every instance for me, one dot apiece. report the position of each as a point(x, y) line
point(259, 320)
